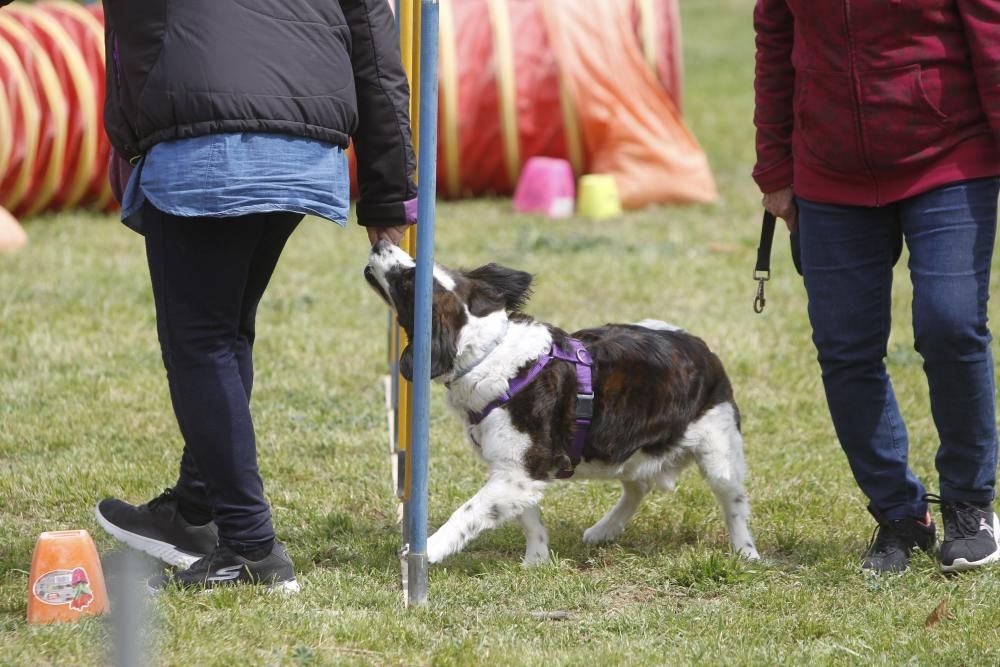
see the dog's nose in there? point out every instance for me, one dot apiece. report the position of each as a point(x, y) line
point(381, 247)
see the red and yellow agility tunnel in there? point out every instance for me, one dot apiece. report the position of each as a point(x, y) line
point(597, 83)
point(53, 152)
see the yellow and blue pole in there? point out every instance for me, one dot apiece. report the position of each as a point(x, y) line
point(409, 41)
point(410, 403)
point(426, 193)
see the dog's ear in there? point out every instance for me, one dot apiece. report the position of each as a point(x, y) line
point(496, 287)
point(442, 354)
point(443, 351)
point(406, 363)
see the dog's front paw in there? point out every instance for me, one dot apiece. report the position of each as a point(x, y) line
point(600, 533)
point(533, 557)
point(437, 549)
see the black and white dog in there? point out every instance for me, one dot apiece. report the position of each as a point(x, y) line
point(658, 399)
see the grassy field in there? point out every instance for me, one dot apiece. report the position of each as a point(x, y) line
point(84, 413)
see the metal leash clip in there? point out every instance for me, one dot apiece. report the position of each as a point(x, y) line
point(762, 269)
point(759, 301)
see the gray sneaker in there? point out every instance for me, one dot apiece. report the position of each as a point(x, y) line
point(970, 536)
point(158, 529)
point(225, 567)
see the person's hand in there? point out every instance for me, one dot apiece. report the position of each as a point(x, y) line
point(781, 203)
point(390, 234)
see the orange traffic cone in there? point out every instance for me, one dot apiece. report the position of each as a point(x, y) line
point(66, 579)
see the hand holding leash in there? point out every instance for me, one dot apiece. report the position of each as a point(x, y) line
point(777, 204)
point(782, 204)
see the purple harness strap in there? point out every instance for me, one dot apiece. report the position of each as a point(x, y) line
point(583, 363)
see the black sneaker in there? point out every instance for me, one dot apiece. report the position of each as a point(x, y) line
point(225, 567)
point(893, 542)
point(157, 528)
point(970, 535)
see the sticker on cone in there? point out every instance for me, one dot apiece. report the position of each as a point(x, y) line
point(64, 587)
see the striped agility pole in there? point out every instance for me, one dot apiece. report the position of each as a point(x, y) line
point(426, 209)
point(399, 397)
point(418, 28)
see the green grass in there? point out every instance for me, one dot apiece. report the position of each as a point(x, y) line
point(84, 413)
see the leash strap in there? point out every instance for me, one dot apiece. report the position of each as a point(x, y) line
point(762, 270)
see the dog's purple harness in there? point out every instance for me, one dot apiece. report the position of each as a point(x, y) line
point(584, 365)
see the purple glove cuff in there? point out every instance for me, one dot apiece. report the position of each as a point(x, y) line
point(410, 206)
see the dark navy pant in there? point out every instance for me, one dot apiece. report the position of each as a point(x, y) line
point(208, 275)
point(847, 259)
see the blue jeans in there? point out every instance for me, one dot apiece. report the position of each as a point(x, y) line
point(847, 259)
point(208, 276)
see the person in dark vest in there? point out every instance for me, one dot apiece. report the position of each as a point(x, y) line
point(878, 122)
point(229, 121)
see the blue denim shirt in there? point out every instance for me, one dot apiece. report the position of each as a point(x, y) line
point(225, 175)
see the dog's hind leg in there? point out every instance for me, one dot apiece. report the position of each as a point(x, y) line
point(719, 454)
point(613, 523)
point(536, 547)
point(506, 495)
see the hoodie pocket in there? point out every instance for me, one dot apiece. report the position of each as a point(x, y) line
point(826, 125)
point(901, 125)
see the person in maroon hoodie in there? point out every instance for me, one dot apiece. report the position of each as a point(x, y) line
point(878, 122)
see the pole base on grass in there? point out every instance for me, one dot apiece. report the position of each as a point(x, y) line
point(415, 587)
point(413, 569)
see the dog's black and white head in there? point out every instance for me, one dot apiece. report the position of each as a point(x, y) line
point(468, 309)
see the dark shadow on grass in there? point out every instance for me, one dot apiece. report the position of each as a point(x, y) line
point(793, 552)
point(369, 540)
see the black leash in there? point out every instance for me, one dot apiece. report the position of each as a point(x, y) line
point(762, 271)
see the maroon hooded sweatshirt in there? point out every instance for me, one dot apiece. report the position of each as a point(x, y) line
point(865, 102)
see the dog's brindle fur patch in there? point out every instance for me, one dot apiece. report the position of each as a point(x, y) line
point(633, 365)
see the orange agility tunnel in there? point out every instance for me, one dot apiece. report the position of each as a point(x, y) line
point(597, 83)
